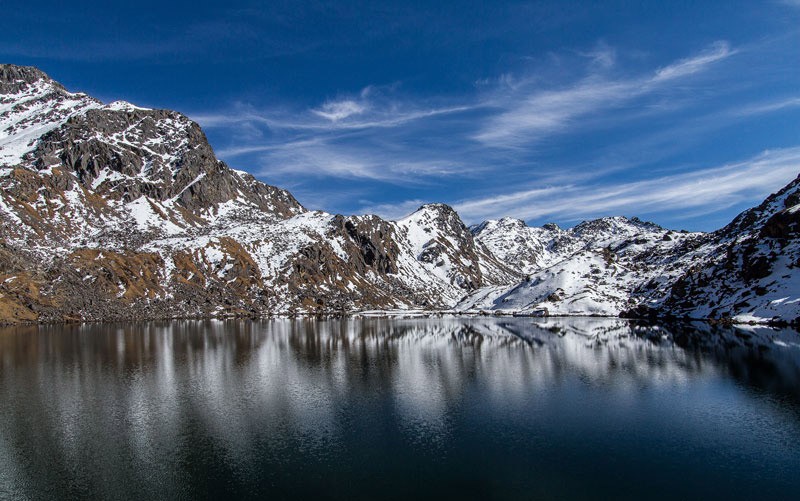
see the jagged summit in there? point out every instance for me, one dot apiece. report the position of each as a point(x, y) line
point(494, 224)
point(31, 105)
point(435, 219)
point(611, 226)
point(103, 164)
point(435, 210)
point(14, 78)
point(122, 151)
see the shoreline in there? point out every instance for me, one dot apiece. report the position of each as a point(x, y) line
point(409, 314)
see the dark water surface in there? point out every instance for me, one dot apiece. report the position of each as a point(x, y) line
point(415, 408)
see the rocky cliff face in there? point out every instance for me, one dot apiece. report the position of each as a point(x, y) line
point(121, 212)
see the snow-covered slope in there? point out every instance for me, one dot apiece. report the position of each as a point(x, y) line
point(125, 211)
point(32, 105)
point(747, 271)
point(591, 269)
point(116, 211)
point(526, 248)
point(750, 270)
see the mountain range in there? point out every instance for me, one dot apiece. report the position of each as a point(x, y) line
point(117, 212)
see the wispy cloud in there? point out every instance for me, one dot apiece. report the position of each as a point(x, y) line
point(235, 151)
point(689, 66)
point(371, 108)
point(393, 211)
point(338, 110)
point(336, 119)
point(528, 117)
point(602, 56)
point(706, 190)
point(769, 107)
point(379, 136)
point(308, 142)
point(323, 160)
point(318, 162)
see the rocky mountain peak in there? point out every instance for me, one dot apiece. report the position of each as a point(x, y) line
point(31, 105)
point(437, 209)
point(613, 224)
point(438, 216)
point(15, 79)
point(503, 224)
point(128, 152)
point(753, 220)
point(86, 168)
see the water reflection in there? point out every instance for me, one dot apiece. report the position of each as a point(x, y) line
point(181, 409)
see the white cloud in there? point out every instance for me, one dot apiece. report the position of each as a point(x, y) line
point(315, 161)
point(309, 159)
point(339, 110)
point(703, 191)
point(335, 120)
point(548, 111)
point(762, 108)
point(684, 67)
point(530, 117)
point(393, 211)
point(236, 151)
point(335, 141)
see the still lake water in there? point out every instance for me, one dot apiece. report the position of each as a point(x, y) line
point(399, 408)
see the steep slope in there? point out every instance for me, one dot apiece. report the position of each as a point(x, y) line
point(746, 271)
point(751, 272)
point(117, 211)
point(31, 104)
point(437, 238)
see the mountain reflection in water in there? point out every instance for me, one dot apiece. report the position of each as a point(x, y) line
point(476, 407)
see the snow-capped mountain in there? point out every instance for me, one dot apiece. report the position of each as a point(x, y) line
point(595, 268)
point(120, 211)
point(615, 266)
point(116, 211)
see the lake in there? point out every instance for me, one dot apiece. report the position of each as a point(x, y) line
point(487, 408)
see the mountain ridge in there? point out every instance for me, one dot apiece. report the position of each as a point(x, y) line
point(121, 212)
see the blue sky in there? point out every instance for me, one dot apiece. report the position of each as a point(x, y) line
point(684, 113)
